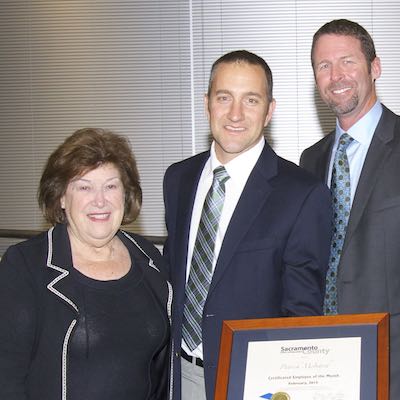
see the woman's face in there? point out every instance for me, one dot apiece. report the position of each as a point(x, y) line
point(94, 205)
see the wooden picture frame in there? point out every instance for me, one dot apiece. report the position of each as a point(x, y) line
point(371, 330)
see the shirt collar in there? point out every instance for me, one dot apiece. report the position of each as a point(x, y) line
point(363, 130)
point(240, 167)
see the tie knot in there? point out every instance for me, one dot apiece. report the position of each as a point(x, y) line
point(220, 174)
point(344, 141)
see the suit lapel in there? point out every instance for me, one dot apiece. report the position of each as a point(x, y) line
point(59, 260)
point(379, 150)
point(253, 198)
point(322, 164)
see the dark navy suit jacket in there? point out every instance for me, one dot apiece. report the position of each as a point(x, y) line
point(273, 258)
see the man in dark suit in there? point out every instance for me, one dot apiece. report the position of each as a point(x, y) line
point(367, 270)
point(270, 243)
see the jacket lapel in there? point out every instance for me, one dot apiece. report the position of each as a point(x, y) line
point(59, 259)
point(322, 165)
point(380, 148)
point(253, 198)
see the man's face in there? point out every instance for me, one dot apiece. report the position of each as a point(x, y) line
point(238, 108)
point(342, 76)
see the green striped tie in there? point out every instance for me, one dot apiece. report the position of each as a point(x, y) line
point(201, 266)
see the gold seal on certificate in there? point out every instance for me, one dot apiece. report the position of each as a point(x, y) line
point(280, 396)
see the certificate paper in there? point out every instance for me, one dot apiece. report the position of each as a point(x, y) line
point(309, 369)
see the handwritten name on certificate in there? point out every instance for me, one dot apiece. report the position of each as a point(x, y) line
point(306, 369)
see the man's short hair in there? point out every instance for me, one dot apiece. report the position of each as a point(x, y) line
point(243, 56)
point(345, 27)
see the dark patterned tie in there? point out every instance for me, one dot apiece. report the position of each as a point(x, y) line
point(340, 188)
point(201, 266)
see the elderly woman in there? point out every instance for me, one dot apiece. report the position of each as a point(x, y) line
point(84, 307)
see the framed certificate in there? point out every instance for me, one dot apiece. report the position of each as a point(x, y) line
point(341, 357)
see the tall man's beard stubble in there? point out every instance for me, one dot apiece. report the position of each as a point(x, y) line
point(347, 107)
point(344, 106)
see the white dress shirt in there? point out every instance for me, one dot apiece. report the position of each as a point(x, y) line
point(362, 132)
point(239, 170)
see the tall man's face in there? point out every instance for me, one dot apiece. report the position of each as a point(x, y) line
point(343, 78)
point(238, 108)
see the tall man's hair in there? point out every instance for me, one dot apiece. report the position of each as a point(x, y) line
point(344, 27)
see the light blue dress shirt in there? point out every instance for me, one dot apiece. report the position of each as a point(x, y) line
point(362, 132)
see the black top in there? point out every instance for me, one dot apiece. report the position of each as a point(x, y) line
point(120, 334)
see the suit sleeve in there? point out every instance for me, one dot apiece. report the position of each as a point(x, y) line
point(306, 255)
point(18, 311)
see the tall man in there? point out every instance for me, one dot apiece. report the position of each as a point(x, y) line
point(364, 151)
point(248, 232)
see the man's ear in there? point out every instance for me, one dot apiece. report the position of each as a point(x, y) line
point(376, 68)
point(206, 106)
point(271, 109)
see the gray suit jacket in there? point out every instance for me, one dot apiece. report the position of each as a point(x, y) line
point(369, 268)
